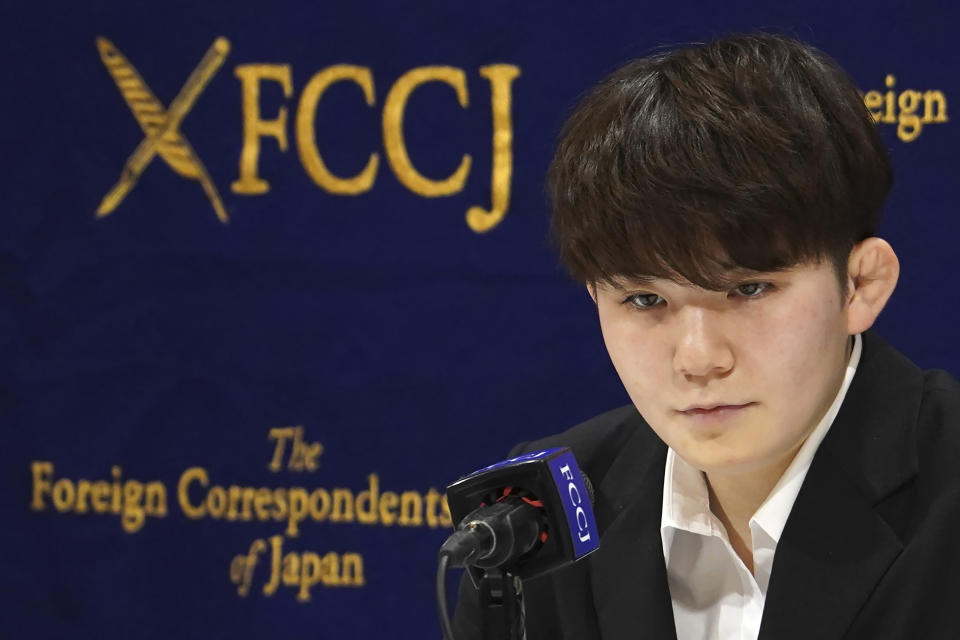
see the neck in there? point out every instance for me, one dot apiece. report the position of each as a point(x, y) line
point(735, 498)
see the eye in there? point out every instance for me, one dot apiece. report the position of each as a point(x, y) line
point(643, 300)
point(752, 289)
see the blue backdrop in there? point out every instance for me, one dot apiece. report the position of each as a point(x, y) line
point(256, 278)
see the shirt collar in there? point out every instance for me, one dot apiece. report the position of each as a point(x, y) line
point(686, 502)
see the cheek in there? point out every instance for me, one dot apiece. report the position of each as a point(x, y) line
point(634, 352)
point(800, 348)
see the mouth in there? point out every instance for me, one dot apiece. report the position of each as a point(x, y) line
point(714, 412)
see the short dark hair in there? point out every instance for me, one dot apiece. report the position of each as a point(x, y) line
point(754, 151)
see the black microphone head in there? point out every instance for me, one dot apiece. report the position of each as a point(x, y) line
point(549, 480)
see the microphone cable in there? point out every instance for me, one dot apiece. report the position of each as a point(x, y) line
point(442, 565)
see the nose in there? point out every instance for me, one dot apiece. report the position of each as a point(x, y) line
point(702, 349)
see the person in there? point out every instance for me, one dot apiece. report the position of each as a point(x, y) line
point(781, 472)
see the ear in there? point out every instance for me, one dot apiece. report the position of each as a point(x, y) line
point(872, 273)
point(592, 290)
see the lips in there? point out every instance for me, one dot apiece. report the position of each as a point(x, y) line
point(713, 409)
point(710, 407)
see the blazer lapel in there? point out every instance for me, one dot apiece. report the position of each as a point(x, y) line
point(628, 576)
point(836, 544)
point(822, 574)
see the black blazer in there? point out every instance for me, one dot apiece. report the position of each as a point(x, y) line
point(870, 550)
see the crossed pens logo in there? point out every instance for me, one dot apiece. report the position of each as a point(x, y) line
point(161, 128)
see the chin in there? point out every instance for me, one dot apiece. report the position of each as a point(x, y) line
point(722, 462)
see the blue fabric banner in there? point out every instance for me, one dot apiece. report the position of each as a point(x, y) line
point(273, 274)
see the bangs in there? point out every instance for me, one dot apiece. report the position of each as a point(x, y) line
point(697, 246)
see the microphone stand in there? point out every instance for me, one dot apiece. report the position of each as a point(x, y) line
point(501, 605)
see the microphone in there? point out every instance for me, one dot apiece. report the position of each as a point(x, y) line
point(515, 519)
point(530, 514)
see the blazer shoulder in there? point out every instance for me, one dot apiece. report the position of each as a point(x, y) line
point(938, 423)
point(941, 382)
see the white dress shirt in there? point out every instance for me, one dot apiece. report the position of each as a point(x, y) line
point(714, 594)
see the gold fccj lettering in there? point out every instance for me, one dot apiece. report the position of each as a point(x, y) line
point(299, 570)
point(256, 126)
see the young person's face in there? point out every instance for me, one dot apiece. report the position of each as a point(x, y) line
point(733, 381)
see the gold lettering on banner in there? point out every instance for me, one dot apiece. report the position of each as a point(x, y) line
point(42, 472)
point(501, 77)
point(306, 135)
point(388, 503)
point(299, 570)
point(99, 495)
point(411, 509)
point(115, 494)
point(296, 505)
point(430, 510)
point(367, 501)
point(292, 507)
point(163, 137)
point(63, 494)
point(255, 127)
point(890, 108)
point(161, 128)
point(445, 519)
point(193, 474)
point(299, 510)
point(303, 455)
point(395, 143)
point(132, 500)
point(342, 505)
point(241, 568)
point(317, 498)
